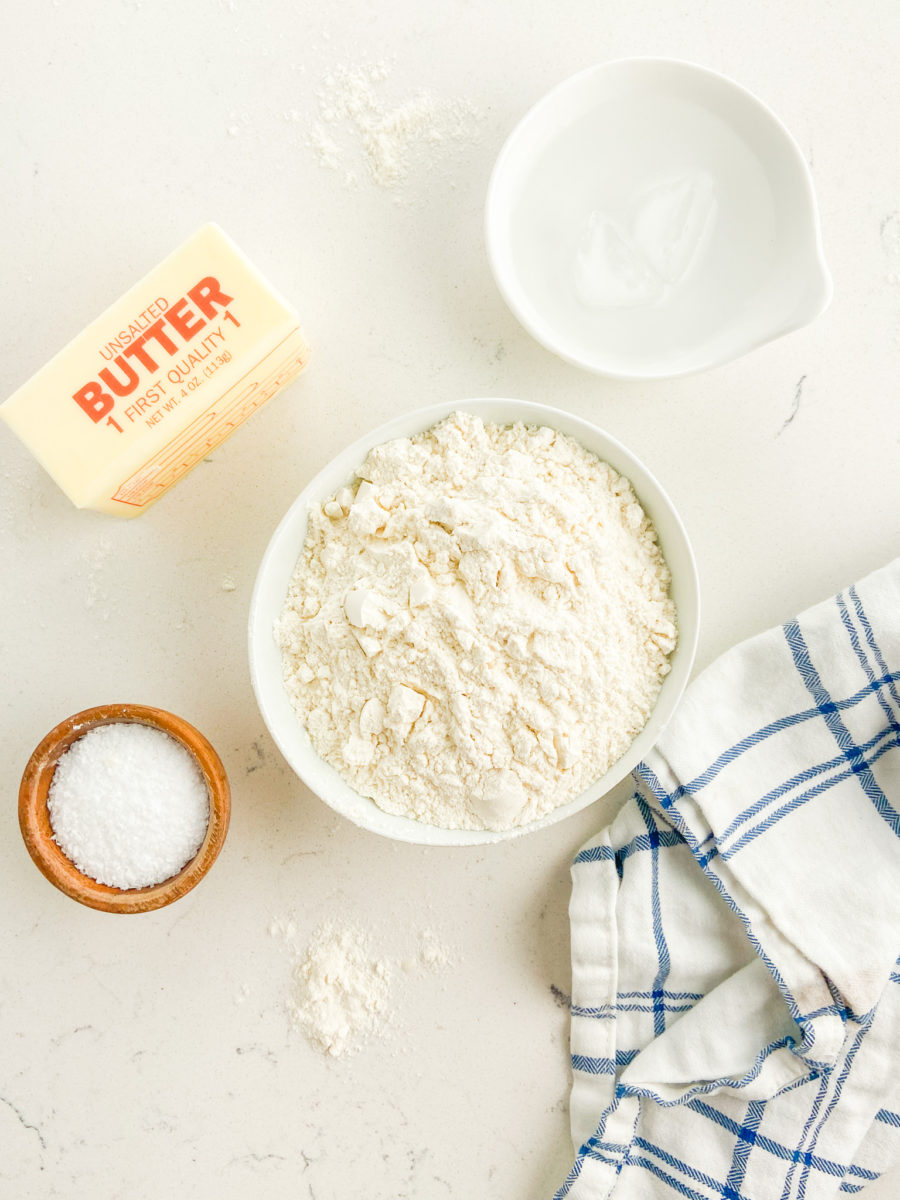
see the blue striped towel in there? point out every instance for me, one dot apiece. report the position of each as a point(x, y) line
point(736, 929)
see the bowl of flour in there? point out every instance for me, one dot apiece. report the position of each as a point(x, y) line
point(473, 623)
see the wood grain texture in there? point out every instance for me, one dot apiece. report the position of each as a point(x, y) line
point(34, 816)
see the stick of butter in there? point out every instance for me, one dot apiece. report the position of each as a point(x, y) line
point(160, 379)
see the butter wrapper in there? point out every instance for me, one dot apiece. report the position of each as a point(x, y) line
point(160, 379)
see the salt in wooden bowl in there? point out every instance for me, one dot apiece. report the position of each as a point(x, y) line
point(37, 832)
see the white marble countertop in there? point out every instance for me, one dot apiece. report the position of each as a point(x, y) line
point(153, 1056)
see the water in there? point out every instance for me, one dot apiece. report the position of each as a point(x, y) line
point(626, 266)
point(646, 230)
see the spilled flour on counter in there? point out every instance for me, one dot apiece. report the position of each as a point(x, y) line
point(343, 995)
point(433, 954)
point(479, 627)
point(357, 126)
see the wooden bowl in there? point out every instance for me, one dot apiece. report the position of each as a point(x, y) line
point(34, 817)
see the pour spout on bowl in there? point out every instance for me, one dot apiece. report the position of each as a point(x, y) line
point(815, 295)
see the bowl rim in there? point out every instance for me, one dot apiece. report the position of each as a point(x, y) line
point(37, 833)
point(541, 331)
point(271, 695)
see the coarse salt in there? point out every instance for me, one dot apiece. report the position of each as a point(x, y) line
point(128, 805)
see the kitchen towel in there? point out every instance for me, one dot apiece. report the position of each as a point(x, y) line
point(736, 929)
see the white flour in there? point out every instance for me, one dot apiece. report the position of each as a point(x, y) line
point(478, 629)
point(342, 994)
point(433, 954)
point(356, 126)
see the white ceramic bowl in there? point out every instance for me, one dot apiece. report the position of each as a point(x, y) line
point(281, 556)
point(649, 218)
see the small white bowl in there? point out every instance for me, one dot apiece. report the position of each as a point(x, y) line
point(280, 559)
point(649, 218)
